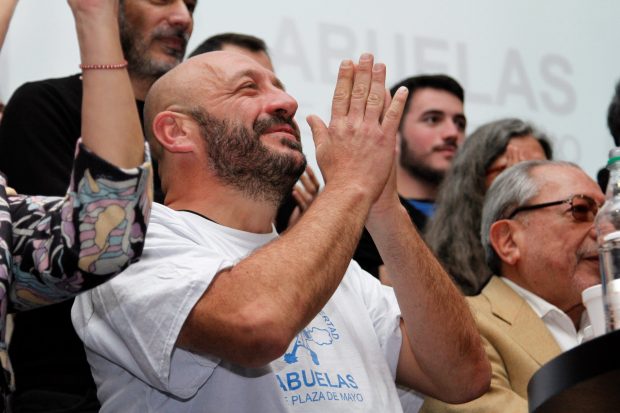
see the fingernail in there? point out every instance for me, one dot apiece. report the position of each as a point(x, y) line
point(366, 56)
point(346, 63)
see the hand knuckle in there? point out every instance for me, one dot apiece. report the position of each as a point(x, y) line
point(374, 99)
point(359, 91)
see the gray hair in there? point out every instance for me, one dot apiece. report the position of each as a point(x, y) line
point(454, 232)
point(513, 188)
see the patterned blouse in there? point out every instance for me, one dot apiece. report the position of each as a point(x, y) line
point(53, 248)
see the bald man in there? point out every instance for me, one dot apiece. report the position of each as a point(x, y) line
point(222, 314)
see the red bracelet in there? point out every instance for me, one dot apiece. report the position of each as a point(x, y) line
point(104, 66)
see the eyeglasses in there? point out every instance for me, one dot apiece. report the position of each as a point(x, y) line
point(582, 207)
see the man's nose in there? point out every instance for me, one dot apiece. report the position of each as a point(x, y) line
point(451, 131)
point(181, 16)
point(281, 103)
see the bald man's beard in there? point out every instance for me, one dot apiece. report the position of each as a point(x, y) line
point(239, 158)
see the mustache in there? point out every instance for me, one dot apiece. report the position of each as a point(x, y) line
point(587, 252)
point(445, 146)
point(166, 32)
point(263, 125)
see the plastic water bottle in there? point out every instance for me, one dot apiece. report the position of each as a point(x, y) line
point(608, 237)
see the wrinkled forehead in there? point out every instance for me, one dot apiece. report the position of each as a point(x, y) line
point(558, 181)
point(224, 68)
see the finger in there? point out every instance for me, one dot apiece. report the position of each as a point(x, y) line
point(376, 94)
point(342, 92)
point(394, 113)
point(308, 185)
point(512, 156)
point(294, 217)
point(361, 86)
point(313, 177)
point(386, 103)
point(520, 155)
point(301, 201)
point(308, 197)
point(318, 129)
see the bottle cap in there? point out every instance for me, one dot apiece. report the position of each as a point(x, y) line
point(614, 156)
point(611, 236)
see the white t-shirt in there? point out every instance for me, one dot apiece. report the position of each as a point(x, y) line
point(344, 360)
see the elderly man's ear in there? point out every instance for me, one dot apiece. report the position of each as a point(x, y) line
point(175, 131)
point(505, 237)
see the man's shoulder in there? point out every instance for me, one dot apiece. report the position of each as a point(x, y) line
point(417, 216)
point(69, 88)
point(166, 225)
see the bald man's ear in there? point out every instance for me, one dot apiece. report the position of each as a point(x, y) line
point(504, 236)
point(173, 131)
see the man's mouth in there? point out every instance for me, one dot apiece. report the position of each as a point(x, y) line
point(446, 149)
point(591, 255)
point(173, 42)
point(285, 129)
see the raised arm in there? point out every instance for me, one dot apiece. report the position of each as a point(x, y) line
point(251, 312)
point(7, 7)
point(442, 354)
point(62, 246)
point(110, 122)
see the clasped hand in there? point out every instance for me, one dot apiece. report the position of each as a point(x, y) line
point(357, 149)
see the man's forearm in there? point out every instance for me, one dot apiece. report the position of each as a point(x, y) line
point(441, 330)
point(280, 288)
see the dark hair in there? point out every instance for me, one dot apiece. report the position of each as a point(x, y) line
point(218, 42)
point(613, 116)
point(454, 232)
point(440, 82)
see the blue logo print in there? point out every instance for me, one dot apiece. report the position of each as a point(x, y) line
point(319, 336)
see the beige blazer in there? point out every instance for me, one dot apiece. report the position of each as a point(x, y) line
point(517, 343)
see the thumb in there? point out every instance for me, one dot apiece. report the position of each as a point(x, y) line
point(318, 128)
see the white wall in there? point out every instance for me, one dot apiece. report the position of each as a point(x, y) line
point(553, 62)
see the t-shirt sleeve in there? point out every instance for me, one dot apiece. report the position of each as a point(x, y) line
point(62, 246)
point(383, 311)
point(134, 320)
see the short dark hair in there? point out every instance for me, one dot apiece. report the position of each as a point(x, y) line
point(439, 81)
point(217, 42)
point(613, 116)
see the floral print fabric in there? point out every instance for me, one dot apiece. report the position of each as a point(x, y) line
point(53, 248)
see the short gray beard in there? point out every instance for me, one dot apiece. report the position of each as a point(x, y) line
point(135, 50)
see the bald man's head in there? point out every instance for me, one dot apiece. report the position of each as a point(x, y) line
point(238, 111)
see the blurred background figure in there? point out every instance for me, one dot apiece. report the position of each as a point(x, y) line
point(246, 44)
point(430, 132)
point(454, 232)
point(613, 123)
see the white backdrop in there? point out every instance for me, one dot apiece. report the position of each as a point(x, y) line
point(552, 62)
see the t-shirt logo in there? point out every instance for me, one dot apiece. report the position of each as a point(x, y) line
point(313, 336)
point(302, 382)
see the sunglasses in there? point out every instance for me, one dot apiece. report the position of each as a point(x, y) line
point(582, 207)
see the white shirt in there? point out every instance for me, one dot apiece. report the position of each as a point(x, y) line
point(343, 361)
point(557, 321)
